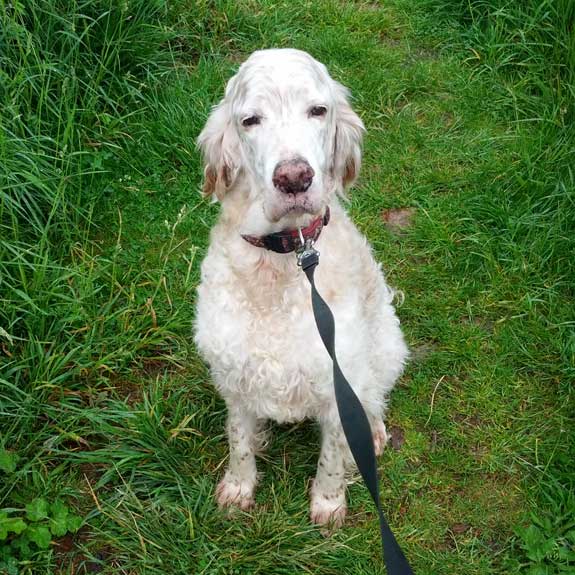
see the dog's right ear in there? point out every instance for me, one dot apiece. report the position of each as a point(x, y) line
point(220, 147)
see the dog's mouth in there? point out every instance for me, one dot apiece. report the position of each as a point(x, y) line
point(293, 205)
point(299, 210)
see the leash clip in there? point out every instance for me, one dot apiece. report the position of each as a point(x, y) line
point(307, 255)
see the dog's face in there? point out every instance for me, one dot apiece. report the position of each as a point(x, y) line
point(286, 127)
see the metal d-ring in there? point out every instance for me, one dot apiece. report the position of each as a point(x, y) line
point(306, 249)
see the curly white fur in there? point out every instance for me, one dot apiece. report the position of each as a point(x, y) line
point(254, 323)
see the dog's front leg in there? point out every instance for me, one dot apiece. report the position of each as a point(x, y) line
point(239, 482)
point(328, 504)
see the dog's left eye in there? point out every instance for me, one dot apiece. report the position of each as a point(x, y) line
point(318, 111)
point(251, 121)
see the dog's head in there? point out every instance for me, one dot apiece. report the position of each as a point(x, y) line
point(286, 127)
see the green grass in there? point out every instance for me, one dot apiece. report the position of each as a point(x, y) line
point(104, 403)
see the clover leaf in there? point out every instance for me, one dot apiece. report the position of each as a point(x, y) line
point(8, 461)
point(10, 525)
point(37, 509)
point(40, 535)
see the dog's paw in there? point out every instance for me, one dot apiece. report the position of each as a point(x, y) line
point(380, 437)
point(328, 510)
point(232, 492)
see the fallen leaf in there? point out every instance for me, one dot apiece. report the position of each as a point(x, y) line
point(397, 437)
point(397, 219)
point(460, 528)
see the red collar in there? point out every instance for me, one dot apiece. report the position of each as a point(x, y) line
point(289, 240)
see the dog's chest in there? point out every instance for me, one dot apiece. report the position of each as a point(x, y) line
point(264, 348)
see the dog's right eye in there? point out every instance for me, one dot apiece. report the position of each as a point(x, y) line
point(251, 121)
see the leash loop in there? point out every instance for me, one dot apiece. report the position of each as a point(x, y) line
point(353, 418)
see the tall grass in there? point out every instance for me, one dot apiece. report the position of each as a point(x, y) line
point(524, 219)
point(71, 74)
point(527, 213)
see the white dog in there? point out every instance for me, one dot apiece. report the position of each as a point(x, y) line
point(279, 150)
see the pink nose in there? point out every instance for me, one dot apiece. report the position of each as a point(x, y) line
point(293, 176)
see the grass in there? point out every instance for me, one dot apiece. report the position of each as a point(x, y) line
point(104, 403)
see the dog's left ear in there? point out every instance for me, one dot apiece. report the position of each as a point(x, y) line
point(219, 144)
point(347, 140)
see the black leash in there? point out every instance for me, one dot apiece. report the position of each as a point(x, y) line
point(354, 421)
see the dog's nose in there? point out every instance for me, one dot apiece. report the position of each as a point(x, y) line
point(293, 176)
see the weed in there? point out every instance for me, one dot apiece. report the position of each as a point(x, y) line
point(23, 531)
point(547, 544)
